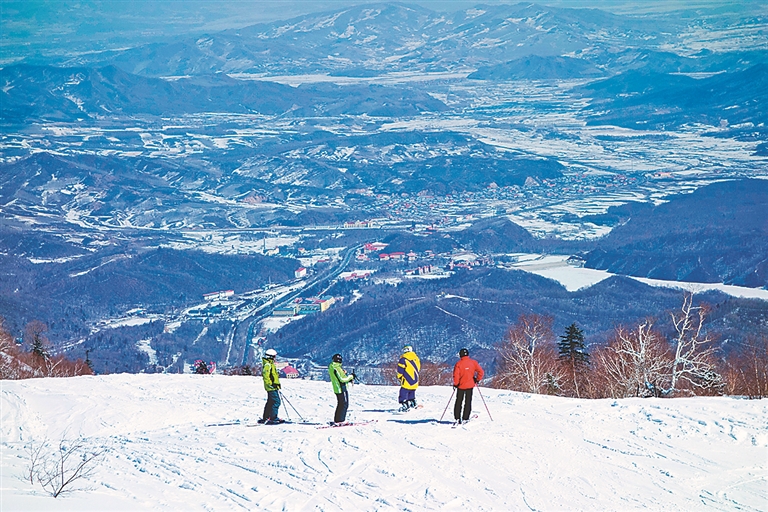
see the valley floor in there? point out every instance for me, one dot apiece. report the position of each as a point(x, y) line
point(537, 453)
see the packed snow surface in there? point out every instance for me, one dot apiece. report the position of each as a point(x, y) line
point(536, 453)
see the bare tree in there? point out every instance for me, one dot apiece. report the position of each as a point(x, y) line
point(57, 472)
point(13, 363)
point(745, 372)
point(634, 363)
point(37, 360)
point(435, 374)
point(528, 358)
point(694, 353)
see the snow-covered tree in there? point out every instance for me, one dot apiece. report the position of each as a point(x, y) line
point(634, 363)
point(693, 363)
point(528, 357)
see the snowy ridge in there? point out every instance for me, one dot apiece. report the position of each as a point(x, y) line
point(541, 453)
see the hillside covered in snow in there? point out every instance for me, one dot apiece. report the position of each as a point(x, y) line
point(183, 442)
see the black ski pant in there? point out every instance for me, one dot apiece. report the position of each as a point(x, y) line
point(463, 396)
point(342, 403)
point(272, 406)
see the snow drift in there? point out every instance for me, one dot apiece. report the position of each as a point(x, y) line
point(537, 453)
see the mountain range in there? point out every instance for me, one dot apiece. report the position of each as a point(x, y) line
point(142, 174)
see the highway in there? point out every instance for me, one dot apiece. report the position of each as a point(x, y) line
point(315, 285)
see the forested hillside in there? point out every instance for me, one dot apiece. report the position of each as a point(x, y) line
point(718, 233)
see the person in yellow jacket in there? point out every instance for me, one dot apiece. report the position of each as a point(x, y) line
point(408, 368)
point(272, 387)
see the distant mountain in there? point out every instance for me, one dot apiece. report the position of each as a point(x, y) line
point(535, 67)
point(651, 60)
point(649, 100)
point(386, 37)
point(68, 94)
point(719, 233)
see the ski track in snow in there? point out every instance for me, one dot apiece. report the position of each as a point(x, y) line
point(539, 453)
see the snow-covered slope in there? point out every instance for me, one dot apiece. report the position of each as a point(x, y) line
point(538, 453)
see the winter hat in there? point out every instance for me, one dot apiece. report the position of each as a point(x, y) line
point(336, 358)
point(407, 348)
point(463, 352)
point(271, 353)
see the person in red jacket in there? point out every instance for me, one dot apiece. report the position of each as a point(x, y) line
point(466, 374)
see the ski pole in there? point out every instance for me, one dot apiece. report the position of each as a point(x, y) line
point(287, 412)
point(449, 403)
point(483, 399)
point(292, 407)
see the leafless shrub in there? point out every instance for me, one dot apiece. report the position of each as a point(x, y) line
point(35, 452)
point(37, 361)
point(13, 364)
point(745, 372)
point(435, 374)
point(58, 470)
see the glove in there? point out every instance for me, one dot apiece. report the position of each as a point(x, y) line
point(455, 386)
point(475, 379)
point(354, 377)
point(276, 386)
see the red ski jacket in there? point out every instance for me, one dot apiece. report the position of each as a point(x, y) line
point(466, 372)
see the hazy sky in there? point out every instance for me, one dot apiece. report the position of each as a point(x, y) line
point(29, 27)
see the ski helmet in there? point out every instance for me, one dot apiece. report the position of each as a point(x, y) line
point(463, 352)
point(336, 358)
point(407, 348)
point(271, 353)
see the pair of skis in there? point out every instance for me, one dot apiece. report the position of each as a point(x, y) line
point(464, 422)
point(289, 422)
point(347, 424)
point(405, 411)
point(284, 422)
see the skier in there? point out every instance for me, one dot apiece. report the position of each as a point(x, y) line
point(339, 380)
point(272, 386)
point(408, 368)
point(466, 374)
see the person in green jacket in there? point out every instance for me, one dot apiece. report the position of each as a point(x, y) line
point(339, 380)
point(272, 386)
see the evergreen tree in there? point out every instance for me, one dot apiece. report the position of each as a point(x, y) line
point(38, 348)
point(88, 361)
point(573, 353)
point(34, 335)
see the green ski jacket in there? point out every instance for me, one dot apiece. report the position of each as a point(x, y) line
point(338, 376)
point(269, 374)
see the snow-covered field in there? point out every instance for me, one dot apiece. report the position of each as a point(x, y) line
point(572, 278)
point(538, 452)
